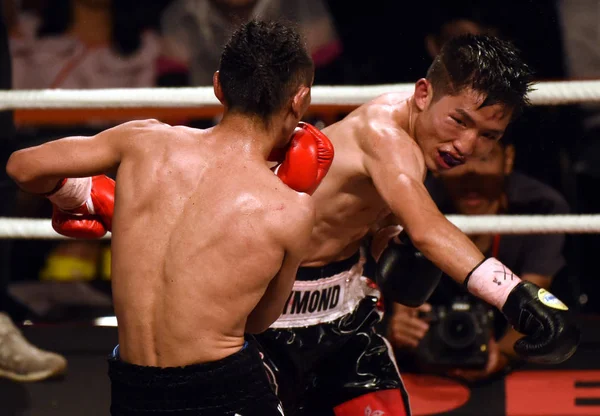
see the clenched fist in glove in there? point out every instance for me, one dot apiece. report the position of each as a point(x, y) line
point(551, 334)
point(83, 207)
point(306, 160)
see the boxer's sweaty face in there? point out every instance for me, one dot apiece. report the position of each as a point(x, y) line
point(456, 127)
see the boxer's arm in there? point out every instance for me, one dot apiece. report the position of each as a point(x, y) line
point(271, 305)
point(38, 169)
point(397, 169)
point(295, 233)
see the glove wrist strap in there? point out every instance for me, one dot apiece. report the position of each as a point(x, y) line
point(73, 193)
point(492, 281)
point(59, 185)
point(466, 281)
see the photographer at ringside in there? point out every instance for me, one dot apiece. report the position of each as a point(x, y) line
point(454, 333)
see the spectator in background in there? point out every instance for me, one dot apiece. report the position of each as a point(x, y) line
point(83, 44)
point(459, 22)
point(194, 32)
point(19, 360)
point(488, 186)
point(76, 44)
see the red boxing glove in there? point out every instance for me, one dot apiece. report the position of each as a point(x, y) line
point(307, 159)
point(83, 207)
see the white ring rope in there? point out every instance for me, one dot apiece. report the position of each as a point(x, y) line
point(25, 228)
point(527, 224)
point(546, 93)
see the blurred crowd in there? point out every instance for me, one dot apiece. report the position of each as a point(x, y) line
point(545, 164)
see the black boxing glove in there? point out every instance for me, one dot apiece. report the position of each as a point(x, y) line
point(551, 334)
point(404, 275)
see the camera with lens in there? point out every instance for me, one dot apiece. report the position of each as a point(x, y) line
point(458, 335)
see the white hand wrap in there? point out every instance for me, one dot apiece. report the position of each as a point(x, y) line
point(492, 281)
point(73, 194)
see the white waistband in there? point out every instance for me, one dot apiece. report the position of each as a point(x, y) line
point(324, 300)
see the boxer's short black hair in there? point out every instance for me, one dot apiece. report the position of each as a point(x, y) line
point(485, 64)
point(262, 66)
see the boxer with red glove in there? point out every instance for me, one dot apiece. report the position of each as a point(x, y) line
point(306, 160)
point(208, 242)
point(83, 207)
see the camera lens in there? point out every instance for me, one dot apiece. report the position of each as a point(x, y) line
point(458, 330)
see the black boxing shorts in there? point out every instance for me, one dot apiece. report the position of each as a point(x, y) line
point(324, 356)
point(234, 386)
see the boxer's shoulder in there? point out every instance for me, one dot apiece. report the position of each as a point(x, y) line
point(294, 218)
point(270, 195)
point(381, 119)
point(123, 138)
point(388, 148)
point(142, 125)
point(137, 129)
point(395, 99)
point(300, 203)
point(383, 137)
point(145, 134)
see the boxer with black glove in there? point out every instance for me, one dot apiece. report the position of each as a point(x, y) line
point(406, 276)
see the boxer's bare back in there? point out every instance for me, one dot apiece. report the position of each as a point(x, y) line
point(348, 203)
point(201, 229)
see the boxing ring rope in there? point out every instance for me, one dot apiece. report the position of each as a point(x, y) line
point(545, 93)
point(324, 98)
point(41, 229)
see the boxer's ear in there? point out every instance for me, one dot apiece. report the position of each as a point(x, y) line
point(423, 94)
point(301, 101)
point(217, 88)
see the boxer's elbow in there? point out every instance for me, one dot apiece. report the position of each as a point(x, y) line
point(427, 239)
point(409, 204)
point(18, 169)
point(441, 236)
point(419, 238)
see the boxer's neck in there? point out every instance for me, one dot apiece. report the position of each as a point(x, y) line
point(409, 125)
point(251, 132)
